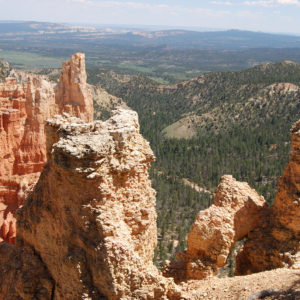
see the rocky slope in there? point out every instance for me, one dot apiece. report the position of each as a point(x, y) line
point(277, 284)
point(25, 105)
point(104, 102)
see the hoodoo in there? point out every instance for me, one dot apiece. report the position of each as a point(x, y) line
point(72, 93)
point(236, 211)
point(24, 108)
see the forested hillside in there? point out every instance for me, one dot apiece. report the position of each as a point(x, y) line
point(219, 123)
point(4, 70)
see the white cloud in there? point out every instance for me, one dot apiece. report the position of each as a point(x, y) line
point(173, 10)
point(227, 3)
point(288, 2)
point(128, 4)
point(260, 3)
point(272, 3)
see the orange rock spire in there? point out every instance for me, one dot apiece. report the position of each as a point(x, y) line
point(24, 108)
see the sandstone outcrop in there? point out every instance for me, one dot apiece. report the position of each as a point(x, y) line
point(276, 244)
point(272, 234)
point(91, 218)
point(286, 206)
point(24, 108)
point(72, 93)
point(23, 275)
point(237, 209)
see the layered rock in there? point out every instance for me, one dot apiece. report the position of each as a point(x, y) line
point(237, 210)
point(276, 244)
point(91, 218)
point(24, 108)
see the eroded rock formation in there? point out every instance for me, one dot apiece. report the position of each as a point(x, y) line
point(23, 275)
point(237, 209)
point(72, 93)
point(276, 244)
point(273, 234)
point(88, 229)
point(286, 206)
point(91, 218)
point(24, 108)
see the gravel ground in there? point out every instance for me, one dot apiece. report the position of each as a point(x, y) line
point(271, 285)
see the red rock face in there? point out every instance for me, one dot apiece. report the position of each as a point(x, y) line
point(24, 108)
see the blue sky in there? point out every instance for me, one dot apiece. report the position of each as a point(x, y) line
point(257, 15)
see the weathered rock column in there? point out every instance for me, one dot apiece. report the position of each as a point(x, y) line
point(91, 218)
point(72, 92)
point(237, 209)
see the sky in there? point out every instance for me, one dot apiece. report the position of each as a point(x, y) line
point(282, 16)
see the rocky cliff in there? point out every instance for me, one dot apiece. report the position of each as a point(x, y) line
point(91, 218)
point(72, 93)
point(24, 108)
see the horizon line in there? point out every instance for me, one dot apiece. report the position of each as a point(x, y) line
point(149, 26)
